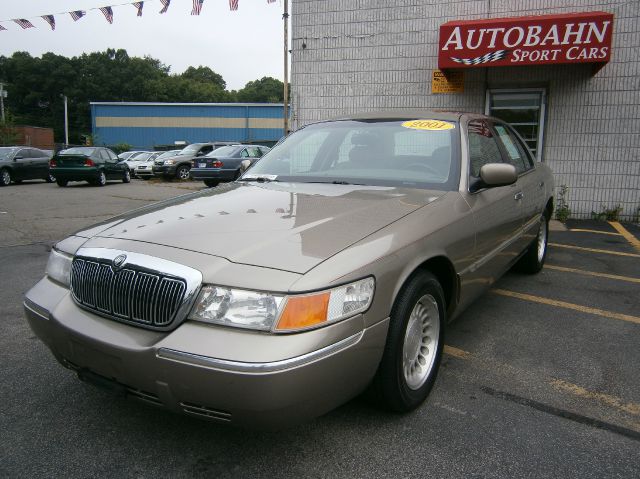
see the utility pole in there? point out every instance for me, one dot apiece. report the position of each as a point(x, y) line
point(3, 93)
point(285, 18)
point(66, 122)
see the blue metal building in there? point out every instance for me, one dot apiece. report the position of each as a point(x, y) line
point(147, 125)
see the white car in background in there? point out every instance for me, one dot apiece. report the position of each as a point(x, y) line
point(137, 159)
point(144, 169)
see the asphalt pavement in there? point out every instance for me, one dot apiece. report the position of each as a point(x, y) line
point(540, 376)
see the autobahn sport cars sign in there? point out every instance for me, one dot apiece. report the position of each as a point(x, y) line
point(538, 40)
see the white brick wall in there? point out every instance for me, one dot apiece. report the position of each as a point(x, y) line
point(365, 55)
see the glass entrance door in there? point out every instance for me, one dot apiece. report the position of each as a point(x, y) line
point(524, 110)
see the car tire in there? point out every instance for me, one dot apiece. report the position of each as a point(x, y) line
point(533, 260)
point(101, 180)
point(61, 183)
point(126, 177)
point(211, 183)
point(182, 173)
point(5, 177)
point(50, 178)
point(415, 340)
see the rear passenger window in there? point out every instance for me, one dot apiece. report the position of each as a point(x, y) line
point(483, 147)
point(514, 154)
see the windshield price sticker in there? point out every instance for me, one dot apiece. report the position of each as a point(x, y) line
point(429, 125)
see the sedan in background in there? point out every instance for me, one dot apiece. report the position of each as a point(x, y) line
point(332, 266)
point(226, 163)
point(93, 164)
point(135, 160)
point(19, 163)
point(145, 170)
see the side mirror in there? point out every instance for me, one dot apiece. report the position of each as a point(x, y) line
point(498, 174)
point(244, 164)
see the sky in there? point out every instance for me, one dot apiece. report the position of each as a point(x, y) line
point(242, 45)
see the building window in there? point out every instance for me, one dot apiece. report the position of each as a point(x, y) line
point(524, 110)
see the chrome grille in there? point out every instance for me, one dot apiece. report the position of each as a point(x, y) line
point(130, 294)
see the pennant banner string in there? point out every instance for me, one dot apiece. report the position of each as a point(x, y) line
point(108, 12)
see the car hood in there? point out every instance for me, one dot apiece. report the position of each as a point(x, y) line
point(286, 226)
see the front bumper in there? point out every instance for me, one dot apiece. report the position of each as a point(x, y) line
point(164, 170)
point(284, 380)
point(213, 174)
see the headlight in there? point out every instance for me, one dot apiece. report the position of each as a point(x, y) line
point(169, 162)
point(59, 267)
point(236, 307)
point(272, 312)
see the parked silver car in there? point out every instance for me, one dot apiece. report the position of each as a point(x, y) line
point(332, 265)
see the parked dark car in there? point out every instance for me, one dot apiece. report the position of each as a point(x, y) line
point(19, 163)
point(93, 164)
point(225, 164)
point(179, 165)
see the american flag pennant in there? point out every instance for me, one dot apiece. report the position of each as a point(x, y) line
point(24, 23)
point(139, 6)
point(50, 20)
point(197, 7)
point(233, 5)
point(77, 15)
point(108, 13)
point(165, 5)
point(2, 28)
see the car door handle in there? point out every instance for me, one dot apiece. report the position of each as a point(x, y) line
point(518, 196)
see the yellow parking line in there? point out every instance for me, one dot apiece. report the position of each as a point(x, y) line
point(458, 353)
point(592, 273)
point(578, 230)
point(610, 401)
point(628, 236)
point(563, 304)
point(593, 250)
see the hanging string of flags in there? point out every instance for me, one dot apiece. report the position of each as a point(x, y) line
point(107, 11)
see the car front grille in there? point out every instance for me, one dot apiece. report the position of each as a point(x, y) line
point(130, 294)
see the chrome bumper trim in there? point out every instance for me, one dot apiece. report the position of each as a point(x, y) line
point(36, 309)
point(257, 368)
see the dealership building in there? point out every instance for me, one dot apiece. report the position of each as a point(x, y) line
point(564, 73)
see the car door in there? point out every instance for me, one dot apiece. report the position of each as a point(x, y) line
point(112, 168)
point(40, 165)
point(21, 164)
point(530, 182)
point(497, 211)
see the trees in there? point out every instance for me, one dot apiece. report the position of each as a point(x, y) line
point(265, 90)
point(36, 87)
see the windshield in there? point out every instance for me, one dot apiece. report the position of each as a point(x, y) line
point(6, 152)
point(223, 151)
point(167, 154)
point(78, 151)
point(191, 149)
point(140, 155)
point(416, 153)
